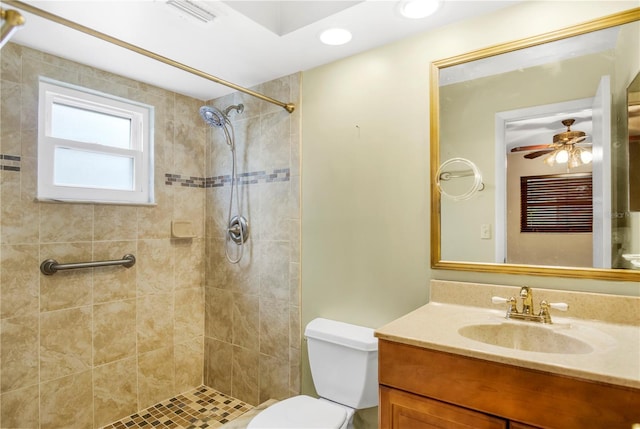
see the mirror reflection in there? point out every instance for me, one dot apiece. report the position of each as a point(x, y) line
point(544, 125)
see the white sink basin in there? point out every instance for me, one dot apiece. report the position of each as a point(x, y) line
point(527, 337)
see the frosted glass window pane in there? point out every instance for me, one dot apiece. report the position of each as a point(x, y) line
point(73, 123)
point(93, 170)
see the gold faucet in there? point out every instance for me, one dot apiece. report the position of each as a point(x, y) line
point(528, 312)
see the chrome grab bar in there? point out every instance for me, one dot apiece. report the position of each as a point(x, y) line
point(51, 266)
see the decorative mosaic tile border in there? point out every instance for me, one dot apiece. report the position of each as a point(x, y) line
point(9, 162)
point(200, 408)
point(251, 178)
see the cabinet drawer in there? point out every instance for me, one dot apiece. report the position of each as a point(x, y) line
point(402, 410)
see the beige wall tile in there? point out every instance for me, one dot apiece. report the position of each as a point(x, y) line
point(115, 223)
point(189, 357)
point(66, 222)
point(114, 331)
point(189, 263)
point(275, 210)
point(11, 63)
point(19, 352)
point(280, 89)
point(189, 311)
point(294, 283)
point(10, 117)
point(274, 276)
point(20, 408)
point(294, 371)
point(189, 205)
point(19, 214)
point(217, 367)
point(114, 283)
point(218, 271)
point(69, 288)
point(244, 277)
point(294, 327)
point(275, 134)
point(218, 314)
point(155, 221)
point(67, 402)
point(19, 280)
point(246, 321)
point(115, 391)
point(274, 327)
point(154, 267)
point(155, 319)
point(274, 377)
point(245, 376)
point(156, 378)
point(217, 207)
point(65, 342)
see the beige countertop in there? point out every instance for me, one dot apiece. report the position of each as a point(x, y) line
point(615, 357)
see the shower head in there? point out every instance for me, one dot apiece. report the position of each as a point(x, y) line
point(213, 116)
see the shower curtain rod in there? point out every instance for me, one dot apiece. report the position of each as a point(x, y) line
point(11, 21)
point(289, 107)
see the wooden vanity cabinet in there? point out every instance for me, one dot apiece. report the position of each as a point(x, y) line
point(423, 388)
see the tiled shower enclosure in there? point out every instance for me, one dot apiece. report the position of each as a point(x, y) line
point(93, 346)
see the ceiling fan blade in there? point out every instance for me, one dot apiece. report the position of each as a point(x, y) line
point(532, 147)
point(536, 154)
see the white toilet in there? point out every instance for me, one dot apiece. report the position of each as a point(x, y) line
point(344, 366)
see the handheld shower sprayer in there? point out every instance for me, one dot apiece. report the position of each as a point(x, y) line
point(215, 118)
point(237, 226)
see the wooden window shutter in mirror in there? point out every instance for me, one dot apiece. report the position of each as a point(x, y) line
point(558, 203)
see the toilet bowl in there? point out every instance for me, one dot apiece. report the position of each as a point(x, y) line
point(344, 367)
point(301, 412)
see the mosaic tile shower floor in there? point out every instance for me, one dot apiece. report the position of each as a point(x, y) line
point(201, 408)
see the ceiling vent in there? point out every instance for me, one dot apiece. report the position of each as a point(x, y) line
point(192, 9)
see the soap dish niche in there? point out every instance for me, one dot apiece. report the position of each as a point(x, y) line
point(182, 229)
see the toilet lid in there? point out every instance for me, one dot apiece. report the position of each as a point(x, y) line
point(300, 412)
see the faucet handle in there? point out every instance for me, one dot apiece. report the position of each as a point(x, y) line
point(545, 306)
point(499, 300)
point(562, 306)
point(511, 301)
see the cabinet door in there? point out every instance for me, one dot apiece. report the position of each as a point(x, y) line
point(402, 410)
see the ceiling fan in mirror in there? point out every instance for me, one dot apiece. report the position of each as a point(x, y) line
point(568, 147)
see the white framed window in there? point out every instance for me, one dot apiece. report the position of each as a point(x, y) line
point(93, 147)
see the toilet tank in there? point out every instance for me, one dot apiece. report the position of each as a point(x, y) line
point(344, 362)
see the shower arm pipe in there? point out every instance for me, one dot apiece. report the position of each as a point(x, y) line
point(289, 107)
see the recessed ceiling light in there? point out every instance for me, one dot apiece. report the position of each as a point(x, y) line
point(416, 9)
point(335, 36)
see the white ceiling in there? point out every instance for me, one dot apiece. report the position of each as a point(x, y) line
point(249, 42)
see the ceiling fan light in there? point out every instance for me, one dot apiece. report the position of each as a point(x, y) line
point(574, 159)
point(550, 160)
point(586, 156)
point(562, 156)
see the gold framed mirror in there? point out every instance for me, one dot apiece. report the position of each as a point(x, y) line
point(511, 109)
